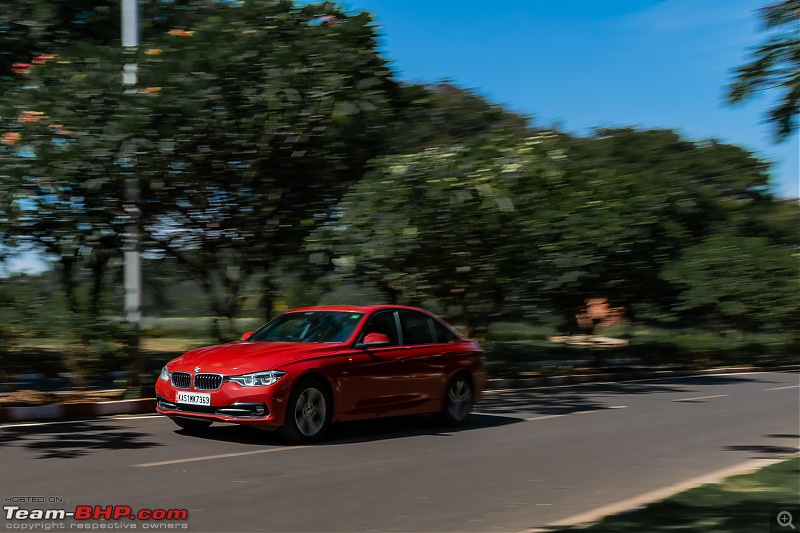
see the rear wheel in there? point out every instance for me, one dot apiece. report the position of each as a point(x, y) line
point(308, 412)
point(457, 401)
point(191, 424)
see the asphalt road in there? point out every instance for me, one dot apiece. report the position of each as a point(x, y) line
point(528, 458)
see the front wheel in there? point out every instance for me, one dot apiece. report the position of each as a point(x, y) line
point(457, 401)
point(191, 424)
point(308, 413)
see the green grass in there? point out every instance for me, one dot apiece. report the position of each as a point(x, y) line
point(739, 504)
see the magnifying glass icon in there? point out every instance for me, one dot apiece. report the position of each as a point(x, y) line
point(785, 519)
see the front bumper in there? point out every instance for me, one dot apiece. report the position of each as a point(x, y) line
point(259, 406)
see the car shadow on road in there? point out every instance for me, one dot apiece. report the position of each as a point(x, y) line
point(351, 432)
point(410, 426)
point(234, 433)
point(78, 439)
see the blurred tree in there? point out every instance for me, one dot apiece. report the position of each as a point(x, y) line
point(676, 193)
point(26, 309)
point(776, 220)
point(7, 335)
point(31, 33)
point(240, 149)
point(442, 114)
point(447, 223)
point(34, 28)
point(730, 281)
point(774, 66)
point(507, 226)
point(260, 142)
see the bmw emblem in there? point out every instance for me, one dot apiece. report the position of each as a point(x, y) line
point(197, 369)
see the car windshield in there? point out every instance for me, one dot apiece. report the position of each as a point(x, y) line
point(309, 326)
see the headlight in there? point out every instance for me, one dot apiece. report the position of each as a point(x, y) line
point(165, 375)
point(258, 379)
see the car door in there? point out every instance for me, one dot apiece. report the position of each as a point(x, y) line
point(425, 358)
point(376, 382)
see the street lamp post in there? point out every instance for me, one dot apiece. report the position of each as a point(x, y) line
point(132, 268)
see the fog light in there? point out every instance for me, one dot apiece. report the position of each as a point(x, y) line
point(260, 410)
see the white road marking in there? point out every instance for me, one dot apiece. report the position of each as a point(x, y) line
point(600, 409)
point(701, 398)
point(220, 456)
point(33, 424)
point(543, 417)
point(781, 388)
point(76, 421)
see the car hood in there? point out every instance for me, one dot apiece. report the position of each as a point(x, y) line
point(244, 357)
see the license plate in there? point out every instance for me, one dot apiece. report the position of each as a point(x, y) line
point(194, 398)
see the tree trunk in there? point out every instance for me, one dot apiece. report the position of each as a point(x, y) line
point(68, 282)
point(98, 269)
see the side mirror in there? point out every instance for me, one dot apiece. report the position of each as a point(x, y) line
point(247, 335)
point(375, 339)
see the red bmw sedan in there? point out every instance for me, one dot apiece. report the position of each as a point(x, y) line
point(315, 366)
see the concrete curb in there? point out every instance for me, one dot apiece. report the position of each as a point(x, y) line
point(78, 410)
point(72, 411)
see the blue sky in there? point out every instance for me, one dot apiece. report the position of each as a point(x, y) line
point(579, 64)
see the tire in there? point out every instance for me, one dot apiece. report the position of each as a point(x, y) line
point(457, 401)
point(308, 413)
point(191, 424)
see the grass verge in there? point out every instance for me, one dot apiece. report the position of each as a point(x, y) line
point(739, 504)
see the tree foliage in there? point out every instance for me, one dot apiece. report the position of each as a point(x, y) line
point(774, 67)
point(443, 223)
point(503, 226)
point(35, 28)
point(737, 282)
point(238, 148)
point(443, 114)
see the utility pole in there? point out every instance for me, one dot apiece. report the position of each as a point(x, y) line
point(132, 268)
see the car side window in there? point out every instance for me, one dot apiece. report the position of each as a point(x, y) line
point(382, 322)
point(443, 335)
point(416, 328)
